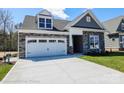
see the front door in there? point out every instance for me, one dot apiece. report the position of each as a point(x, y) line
point(77, 43)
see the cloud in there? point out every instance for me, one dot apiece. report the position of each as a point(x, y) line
point(58, 12)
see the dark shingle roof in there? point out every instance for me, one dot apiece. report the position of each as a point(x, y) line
point(30, 22)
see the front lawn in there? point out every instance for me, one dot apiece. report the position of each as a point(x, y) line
point(113, 60)
point(4, 69)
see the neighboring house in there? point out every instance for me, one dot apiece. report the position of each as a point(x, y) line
point(42, 35)
point(114, 36)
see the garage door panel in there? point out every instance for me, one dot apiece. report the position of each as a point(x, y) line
point(46, 47)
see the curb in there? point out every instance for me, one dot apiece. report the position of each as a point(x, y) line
point(8, 73)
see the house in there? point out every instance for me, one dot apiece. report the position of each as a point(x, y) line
point(43, 35)
point(114, 36)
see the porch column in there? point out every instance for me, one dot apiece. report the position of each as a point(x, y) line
point(70, 43)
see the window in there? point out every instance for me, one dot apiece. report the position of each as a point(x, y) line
point(88, 19)
point(42, 41)
point(123, 41)
point(48, 23)
point(94, 41)
point(45, 23)
point(122, 38)
point(52, 41)
point(122, 26)
point(60, 41)
point(42, 22)
point(32, 41)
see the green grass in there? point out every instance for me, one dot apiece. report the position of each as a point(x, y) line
point(113, 60)
point(4, 69)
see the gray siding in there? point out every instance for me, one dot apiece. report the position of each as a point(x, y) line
point(111, 41)
point(82, 23)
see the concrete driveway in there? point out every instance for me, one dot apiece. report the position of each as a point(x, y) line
point(69, 70)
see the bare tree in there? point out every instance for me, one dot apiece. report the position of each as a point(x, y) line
point(5, 19)
point(10, 28)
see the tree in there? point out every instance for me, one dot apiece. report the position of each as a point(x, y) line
point(5, 20)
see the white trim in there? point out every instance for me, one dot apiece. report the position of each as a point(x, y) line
point(87, 29)
point(26, 47)
point(45, 17)
point(94, 40)
point(70, 39)
point(121, 33)
point(43, 32)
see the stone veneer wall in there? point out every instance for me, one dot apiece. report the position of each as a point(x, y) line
point(22, 40)
point(86, 46)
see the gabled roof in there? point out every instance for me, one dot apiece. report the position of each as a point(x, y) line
point(30, 22)
point(112, 24)
point(45, 12)
point(81, 16)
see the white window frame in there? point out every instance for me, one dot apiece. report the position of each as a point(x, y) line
point(122, 26)
point(45, 17)
point(41, 22)
point(48, 23)
point(94, 41)
point(88, 18)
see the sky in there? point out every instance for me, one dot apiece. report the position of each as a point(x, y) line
point(102, 14)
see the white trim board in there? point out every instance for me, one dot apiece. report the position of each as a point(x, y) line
point(43, 32)
point(86, 29)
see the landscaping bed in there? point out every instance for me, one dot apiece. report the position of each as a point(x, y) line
point(4, 68)
point(113, 60)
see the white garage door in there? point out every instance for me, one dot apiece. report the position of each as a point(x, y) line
point(39, 47)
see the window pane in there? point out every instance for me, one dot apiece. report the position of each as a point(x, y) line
point(60, 41)
point(41, 20)
point(122, 38)
point(91, 39)
point(52, 41)
point(48, 21)
point(94, 42)
point(32, 41)
point(41, 24)
point(42, 41)
point(88, 19)
point(48, 25)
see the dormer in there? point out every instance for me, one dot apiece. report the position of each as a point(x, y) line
point(45, 20)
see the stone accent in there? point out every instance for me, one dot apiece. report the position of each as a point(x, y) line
point(22, 37)
point(121, 49)
point(86, 46)
point(70, 50)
